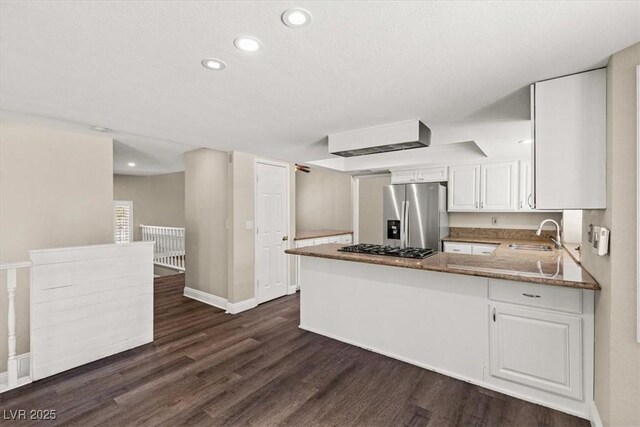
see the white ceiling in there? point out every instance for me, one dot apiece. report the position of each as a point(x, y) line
point(134, 67)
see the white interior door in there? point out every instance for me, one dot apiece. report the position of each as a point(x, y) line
point(272, 225)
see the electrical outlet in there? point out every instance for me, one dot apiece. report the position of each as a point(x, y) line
point(494, 220)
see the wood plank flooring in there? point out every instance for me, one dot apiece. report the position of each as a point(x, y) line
point(258, 368)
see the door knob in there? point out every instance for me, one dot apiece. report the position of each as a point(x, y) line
point(284, 238)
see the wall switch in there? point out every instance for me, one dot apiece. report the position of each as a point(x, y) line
point(494, 220)
point(248, 225)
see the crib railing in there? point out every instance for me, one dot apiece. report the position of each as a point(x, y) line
point(169, 246)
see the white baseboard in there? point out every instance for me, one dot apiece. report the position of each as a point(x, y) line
point(238, 307)
point(219, 302)
point(206, 298)
point(24, 372)
point(596, 421)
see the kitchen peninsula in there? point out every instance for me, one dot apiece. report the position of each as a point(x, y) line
point(519, 322)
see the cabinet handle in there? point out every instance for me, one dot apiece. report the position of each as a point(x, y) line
point(456, 250)
point(476, 205)
point(494, 314)
point(531, 295)
point(529, 201)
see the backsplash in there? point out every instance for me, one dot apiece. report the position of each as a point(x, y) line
point(511, 220)
point(500, 233)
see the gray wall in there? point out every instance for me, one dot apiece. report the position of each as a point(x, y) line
point(323, 200)
point(617, 354)
point(205, 219)
point(157, 199)
point(56, 190)
point(370, 208)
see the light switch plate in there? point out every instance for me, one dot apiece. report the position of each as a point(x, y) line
point(248, 225)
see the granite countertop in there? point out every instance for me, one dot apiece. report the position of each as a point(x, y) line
point(555, 268)
point(315, 234)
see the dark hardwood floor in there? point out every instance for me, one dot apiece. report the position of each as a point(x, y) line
point(257, 368)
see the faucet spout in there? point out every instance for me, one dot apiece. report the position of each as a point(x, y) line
point(557, 240)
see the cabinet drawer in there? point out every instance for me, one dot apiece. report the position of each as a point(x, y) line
point(483, 249)
point(533, 295)
point(458, 248)
point(345, 238)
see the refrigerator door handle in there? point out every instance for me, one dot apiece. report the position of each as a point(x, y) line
point(402, 235)
point(405, 224)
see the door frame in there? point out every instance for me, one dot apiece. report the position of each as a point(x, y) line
point(256, 161)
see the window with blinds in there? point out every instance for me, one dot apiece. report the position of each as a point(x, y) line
point(123, 221)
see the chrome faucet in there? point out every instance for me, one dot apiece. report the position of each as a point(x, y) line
point(557, 240)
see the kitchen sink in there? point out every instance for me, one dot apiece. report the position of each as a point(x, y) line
point(541, 248)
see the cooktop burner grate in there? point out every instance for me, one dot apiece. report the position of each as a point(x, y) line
point(367, 248)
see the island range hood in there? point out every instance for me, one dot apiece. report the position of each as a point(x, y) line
point(396, 136)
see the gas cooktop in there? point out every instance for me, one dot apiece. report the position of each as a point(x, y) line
point(366, 248)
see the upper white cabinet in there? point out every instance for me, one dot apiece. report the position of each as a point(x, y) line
point(569, 117)
point(525, 193)
point(464, 188)
point(487, 187)
point(404, 177)
point(437, 174)
point(499, 186)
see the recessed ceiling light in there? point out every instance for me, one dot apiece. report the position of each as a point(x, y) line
point(525, 141)
point(296, 18)
point(131, 165)
point(99, 129)
point(247, 44)
point(213, 64)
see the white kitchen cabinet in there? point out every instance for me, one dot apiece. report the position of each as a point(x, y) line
point(499, 186)
point(436, 174)
point(536, 348)
point(490, 187)
point(404, 176)
point(569, 120)
point(525, 192)
point(483, 249)
point(458, 248)
point(469, 248)
point(464, 188)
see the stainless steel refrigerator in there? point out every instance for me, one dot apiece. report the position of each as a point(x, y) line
point(415, 215)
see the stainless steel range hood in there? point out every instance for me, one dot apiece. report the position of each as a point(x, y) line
point(396, 136)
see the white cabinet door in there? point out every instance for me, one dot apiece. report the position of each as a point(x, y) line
point(499, 189)
point(464, 188)
point(535, 348)
point(458, 248)
point(525, 193)
point(570, 142)
point(404, 177)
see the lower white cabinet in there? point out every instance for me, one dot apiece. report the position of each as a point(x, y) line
point(469, 248)
point(536, 348)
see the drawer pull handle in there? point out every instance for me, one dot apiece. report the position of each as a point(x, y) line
point(531, 295)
